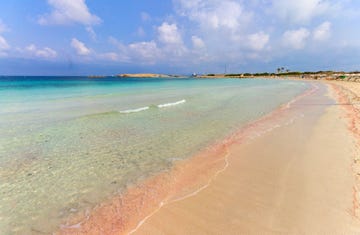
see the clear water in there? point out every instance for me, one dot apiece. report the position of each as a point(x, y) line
point(69, 143)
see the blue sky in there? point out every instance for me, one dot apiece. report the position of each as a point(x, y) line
point(78, 37)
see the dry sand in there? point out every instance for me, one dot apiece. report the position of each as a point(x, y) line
point(299, 178)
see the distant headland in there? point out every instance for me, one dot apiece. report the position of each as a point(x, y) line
point(143, 75)
point(138, 75)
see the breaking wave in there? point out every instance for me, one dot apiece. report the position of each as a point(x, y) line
point(171, 104)
point(152, 106)
point(135, 110)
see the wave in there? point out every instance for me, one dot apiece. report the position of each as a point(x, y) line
point(148, 107)
point(134, 110)
point(171, 104)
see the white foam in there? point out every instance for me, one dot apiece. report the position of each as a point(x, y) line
point(135, 110)
point(171, 104)
point(307, 92)
point(146, 218)
point(166, 201)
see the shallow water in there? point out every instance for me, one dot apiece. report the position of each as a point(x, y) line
point(67, 144)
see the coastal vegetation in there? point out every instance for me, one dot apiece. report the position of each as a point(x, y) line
point(286, 73)
point(280, 73)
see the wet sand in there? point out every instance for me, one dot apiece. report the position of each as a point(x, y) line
point(298, 178)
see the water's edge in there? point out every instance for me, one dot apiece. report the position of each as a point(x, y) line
point(125, 214)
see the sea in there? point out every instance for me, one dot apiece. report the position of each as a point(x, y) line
point(69, 143)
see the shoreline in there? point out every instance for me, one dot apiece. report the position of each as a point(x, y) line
point(333, 209)
point(118, 216)
point(123, 215)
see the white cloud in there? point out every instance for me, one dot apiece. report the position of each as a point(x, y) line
point(80, 47)
point(300, 11)
point(215, 14)
point(109, 56)
point(3, 44)
point(197, 42)
point(296, 39)
point(91, 32)
point(222, 25)
point(141, 52)
point(31, 48)
point(170, 37)
point(168, 46)
point(169, 34)
point(322, 32)
point(147, 51)
point(123, 49)
point(45, 52)
point(69, 11)
point(258, 41)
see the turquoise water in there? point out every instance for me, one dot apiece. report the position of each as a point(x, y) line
point(67, 144)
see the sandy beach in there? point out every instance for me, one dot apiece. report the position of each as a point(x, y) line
point(294, 171)
point(179, 117)
point(299, 178)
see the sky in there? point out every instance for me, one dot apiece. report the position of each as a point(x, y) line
point(81, 37)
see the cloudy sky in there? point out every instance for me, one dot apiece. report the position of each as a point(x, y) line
point(74, 37)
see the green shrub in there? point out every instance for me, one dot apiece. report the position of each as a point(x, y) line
point(233, 75)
